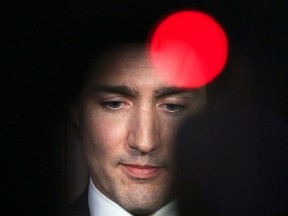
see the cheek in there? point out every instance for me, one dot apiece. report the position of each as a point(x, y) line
point(168, 132)
point(103, 134)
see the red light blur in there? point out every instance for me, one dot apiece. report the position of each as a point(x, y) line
point(188, 48)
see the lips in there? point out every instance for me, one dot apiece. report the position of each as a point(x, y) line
point(141, 172)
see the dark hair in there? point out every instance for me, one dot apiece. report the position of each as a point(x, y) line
point(103, 28)
point(110, 26)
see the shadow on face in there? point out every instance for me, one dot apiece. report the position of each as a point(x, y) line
point(127, 117)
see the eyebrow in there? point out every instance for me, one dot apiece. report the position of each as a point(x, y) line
point(169, 90)
point(129, 92)
point(121, 89)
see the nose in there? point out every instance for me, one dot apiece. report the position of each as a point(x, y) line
point(144, 134)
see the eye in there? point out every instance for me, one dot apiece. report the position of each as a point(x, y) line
point(113, 105)
point(173, 108)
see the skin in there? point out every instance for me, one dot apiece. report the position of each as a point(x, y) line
point(127, 117)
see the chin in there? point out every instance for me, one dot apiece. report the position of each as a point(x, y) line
point(141, 199)
point(143, 209)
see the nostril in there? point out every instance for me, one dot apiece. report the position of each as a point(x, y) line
point(143, 142)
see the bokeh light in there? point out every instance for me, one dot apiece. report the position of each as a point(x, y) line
point(188, 48)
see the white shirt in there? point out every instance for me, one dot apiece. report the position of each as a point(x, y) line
point(100, 205)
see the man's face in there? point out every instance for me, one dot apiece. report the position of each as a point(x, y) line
point(127, 117)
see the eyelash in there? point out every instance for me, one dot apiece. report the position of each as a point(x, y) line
point(117, 105)
point(110, 105)
point(179, 108)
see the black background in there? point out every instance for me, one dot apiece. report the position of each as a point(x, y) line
point(38, 40)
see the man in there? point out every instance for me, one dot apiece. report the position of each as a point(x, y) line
point(126, 116)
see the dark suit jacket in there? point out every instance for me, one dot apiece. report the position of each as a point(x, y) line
point(79, 207)
point(235, 162)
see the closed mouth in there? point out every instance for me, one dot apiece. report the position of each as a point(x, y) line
point(142, 171)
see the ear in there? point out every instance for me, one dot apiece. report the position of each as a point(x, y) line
point(74, 115)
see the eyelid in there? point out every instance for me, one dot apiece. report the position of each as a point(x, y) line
point(110, 96)
point(107, 103)
point(177, 110)
point(181, 104)
point(174, 99)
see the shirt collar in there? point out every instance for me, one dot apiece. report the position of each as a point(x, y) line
point(100, 205)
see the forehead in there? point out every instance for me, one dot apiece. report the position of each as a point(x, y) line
point(125, 65)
